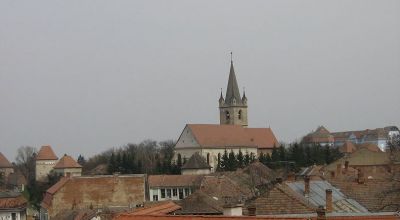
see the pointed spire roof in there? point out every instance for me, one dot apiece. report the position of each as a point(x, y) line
point(46, 153)
point(67, 162)
point(232, 91)
point(4, 163)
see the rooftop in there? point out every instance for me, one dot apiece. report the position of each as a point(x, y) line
point(4, 163)
point(67, 162)
point(46, 153)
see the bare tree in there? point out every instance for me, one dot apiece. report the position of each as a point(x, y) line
point(25, 162)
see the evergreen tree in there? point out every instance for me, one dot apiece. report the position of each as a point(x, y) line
point(139, 168)
point(179, 161)
point(240, 159)
point(252, 157)
point(232, 162)
point(118, 160)
point(81, 160)
point(282, 153)
point(219, 166)
point(275, 155)
point(112, 164)
point(225, 161)
point(247, 158)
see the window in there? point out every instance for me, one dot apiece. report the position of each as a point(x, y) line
point(186, 192)
point(155, 197)
point(174, 192)
point(162, 193)
point(240, 114)
point(168, 193)
point(180, 193)
point(208, 158)
point(13, 216)
point(227, 115)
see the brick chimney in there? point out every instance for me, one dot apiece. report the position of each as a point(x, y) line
point(252, 210)
point(329, 202)
point(321, 215)
point(306, 185)
point(360, 177)
point(346, 166)
point(339, 170)
point(291, 177)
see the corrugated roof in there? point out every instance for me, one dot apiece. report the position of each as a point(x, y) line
point(4, 163)
point(317, 196)
point(67, 162)
point(213, 135)
point(46, 153)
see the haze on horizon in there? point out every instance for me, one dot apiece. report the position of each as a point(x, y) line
point(85, 76)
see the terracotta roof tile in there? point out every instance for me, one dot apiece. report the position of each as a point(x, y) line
point(13, 202)
point(204, 217)
point(212, 135)
point(163, 208)
point(46, 153)
point(174, 180)
point(4, 163)
point(67, 162)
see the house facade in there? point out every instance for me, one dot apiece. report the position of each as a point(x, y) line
point(12, 206)
point(68, 166)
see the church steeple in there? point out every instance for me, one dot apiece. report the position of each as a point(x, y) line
point(233, 110)
point(232, 91)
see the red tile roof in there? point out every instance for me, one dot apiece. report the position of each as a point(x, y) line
point(67, 162)
point(210, 217)
point(4, 163)
point(157, 209)
point(46, 153)
point(212, 135)
point(13, 202)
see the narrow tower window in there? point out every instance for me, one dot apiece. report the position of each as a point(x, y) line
point(227, 115)
point(240, 114)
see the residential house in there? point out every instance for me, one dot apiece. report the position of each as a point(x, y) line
point(12, 206)
point(68, 166)
point(172, 187)
point(378, 136)
point(93, 192)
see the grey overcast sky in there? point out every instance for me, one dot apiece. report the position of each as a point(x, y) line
point(85, 76)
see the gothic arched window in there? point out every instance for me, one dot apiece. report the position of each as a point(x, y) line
point(240, 114)
point(227, 115)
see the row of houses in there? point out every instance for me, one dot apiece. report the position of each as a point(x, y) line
point(378, 136)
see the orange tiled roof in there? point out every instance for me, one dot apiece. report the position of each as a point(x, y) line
point(220, 217)
point(46, 153)
point(67, 162)
point(13, 202)
point(4, 163)
point(212, 135)
point(158, 209)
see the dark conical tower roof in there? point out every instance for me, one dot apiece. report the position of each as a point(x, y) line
point(232, 91)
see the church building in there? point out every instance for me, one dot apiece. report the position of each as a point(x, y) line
point(232, 134)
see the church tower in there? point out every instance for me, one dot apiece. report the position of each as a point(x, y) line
point(233, 109)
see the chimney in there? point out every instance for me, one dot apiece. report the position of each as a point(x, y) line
point(346, 166)
point(306, 185)
point(329, 202)
point(360, 177)
point(291, 177)
point(233, 209)
point(321, 215)
point(339, 169)
point(252, 210)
